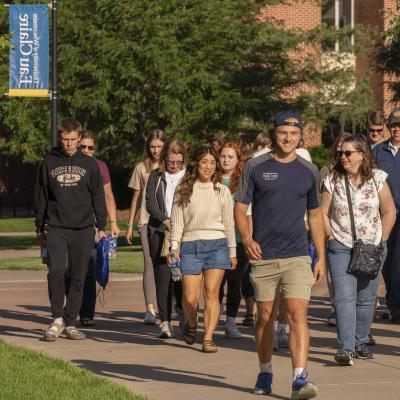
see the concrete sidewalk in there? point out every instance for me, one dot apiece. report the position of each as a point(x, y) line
point(125, 350)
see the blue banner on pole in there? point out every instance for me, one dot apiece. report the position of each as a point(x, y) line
point(29, 59)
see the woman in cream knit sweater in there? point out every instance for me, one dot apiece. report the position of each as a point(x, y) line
point(203, 226)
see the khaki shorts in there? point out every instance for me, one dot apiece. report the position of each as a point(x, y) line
point(293, 275)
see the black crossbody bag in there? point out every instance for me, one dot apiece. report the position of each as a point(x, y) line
point(366, 259)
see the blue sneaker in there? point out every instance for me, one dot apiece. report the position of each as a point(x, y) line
point(263, 384)
point(302, 389)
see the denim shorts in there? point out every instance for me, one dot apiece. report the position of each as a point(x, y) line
point(198, 255)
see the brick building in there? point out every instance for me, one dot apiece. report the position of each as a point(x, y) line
point(308, 14)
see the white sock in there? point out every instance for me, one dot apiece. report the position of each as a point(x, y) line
point(230, 320)
point(59, 321)
point(266, 367)
point(297, 372)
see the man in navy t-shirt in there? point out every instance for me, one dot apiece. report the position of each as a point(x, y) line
point(281, 187)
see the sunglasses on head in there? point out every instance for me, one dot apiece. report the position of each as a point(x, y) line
point(347, 153)
point(83, 147)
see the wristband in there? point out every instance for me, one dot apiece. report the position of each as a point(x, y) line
point(130, 225)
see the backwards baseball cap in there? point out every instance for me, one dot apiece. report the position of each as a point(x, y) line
point(394, 117)
point(285, 117)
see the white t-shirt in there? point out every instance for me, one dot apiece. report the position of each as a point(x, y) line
point(365, 203)
point(173, 180)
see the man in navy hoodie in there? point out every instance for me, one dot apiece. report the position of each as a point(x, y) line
point(69, 202)
point(387, 156)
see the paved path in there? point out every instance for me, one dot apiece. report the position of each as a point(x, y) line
point(19, 253)
point(125, 350)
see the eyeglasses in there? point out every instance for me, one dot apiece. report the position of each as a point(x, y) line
point(376, 130)
point(83, 147)
point(177, 163)
point(347, 153)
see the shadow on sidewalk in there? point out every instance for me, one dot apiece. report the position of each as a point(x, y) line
point(143, 373)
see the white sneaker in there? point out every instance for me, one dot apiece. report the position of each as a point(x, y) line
point(166, 330)
point(150, 318)
point(232, 331)
point(283, 338)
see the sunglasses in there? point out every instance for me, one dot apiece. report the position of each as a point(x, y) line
point(83, 147)
point(376, 130)
point(347, 153)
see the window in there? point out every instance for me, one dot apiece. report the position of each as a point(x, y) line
point(339, 13)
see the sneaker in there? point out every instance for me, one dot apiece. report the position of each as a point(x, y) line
point(331, 320)
point(263, 384)
point(303, 389)
point(232, 331)
point(166, 330)
point(150, 318)
point(362, 351)
point(283, 338)
point(344, 357)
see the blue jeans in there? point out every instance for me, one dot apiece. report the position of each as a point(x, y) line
point(353, 298)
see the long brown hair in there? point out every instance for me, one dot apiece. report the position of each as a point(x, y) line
point(172, 146)
point(185, 189)
point(361, 144)
point(239, 166)
point(156, 134)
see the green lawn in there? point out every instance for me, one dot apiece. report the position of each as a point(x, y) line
point(18, 243)
point(17, 225)
point(131, 262)
point(28, 375)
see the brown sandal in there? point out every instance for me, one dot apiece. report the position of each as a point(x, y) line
point(189, 333)
point(209, 347)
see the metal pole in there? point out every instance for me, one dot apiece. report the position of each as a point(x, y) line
point(54, 93)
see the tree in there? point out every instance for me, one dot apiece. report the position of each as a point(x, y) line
point(388, 56)
point(193, 68)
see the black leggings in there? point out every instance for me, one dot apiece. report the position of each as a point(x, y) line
point(165, 286)
point(234, 278)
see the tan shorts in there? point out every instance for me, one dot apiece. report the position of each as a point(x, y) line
point(294, 275)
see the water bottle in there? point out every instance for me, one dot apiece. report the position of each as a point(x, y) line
point(175, 269)
point(112, 246)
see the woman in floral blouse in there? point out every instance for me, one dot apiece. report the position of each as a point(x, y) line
point(374, 216)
